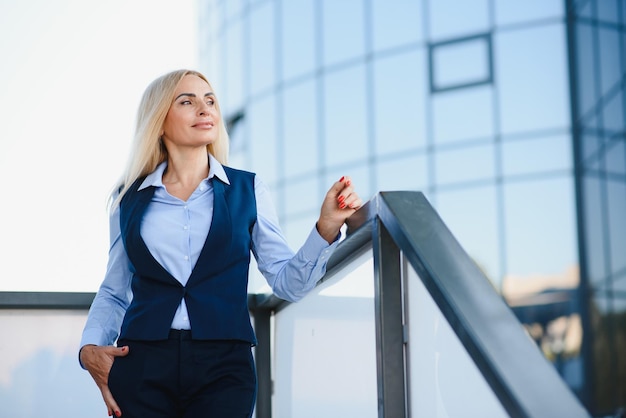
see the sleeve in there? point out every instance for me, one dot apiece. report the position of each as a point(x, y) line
point(290, 275)
point(113, 297)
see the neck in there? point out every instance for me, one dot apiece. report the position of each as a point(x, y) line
point(186, 169)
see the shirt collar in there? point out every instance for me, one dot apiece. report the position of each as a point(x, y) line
point(216, 169)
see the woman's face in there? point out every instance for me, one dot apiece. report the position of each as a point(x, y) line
point(192, 119)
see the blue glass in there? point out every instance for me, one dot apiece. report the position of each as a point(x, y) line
point(453, 18)
point(616, 201)
point(232, 98)
point(465, 164)
point(464, 114)
point(262, 141)
point(297, 37)
point(540, 229)
point(396, 23)
point(345, 133)
point(404, 172)
point(613, 114)
point(343, 30)
point(262, 69)
point(514, 11)
point(611, 58)
point(533, 86)
point(301, 129)
point(297, 228)
point(590, 144)
point(585, 62)
point(475, 226)
point(608, 11)
point(537, 155)
point(616, 156)
point(399, 99)
point(301, 196)
point(461, 62)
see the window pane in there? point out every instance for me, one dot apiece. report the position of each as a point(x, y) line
point(475, 226)
point(608, 10)
point(594, 231)
point(302, 196)
point(616, 196)
point(515, 11)
point(613, 114)
point(233, 94)
point(399, 98)
point(540, 228)
point(461, 62)
point(463, 114)
point(402, 173)
point(616, 156)
point(345, 123)
point(611, 56)
point(297, 37)
point(453, 18)
point(262, 41)
point(344, 37)
point(396, 22)
point(262, 143)
point(532, 80)
point(536, 155)
point(585, 63)
point(300, 129)
point(464, 164)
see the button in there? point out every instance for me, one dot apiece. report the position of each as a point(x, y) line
point(186, 257)
point(186, 227)
point(185, 207)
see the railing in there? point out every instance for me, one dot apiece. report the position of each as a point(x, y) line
point(404, 324)
point(442, 342)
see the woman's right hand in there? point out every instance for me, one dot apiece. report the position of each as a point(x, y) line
point(98, 361)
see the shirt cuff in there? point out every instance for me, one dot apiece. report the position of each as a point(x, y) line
point(315, 247)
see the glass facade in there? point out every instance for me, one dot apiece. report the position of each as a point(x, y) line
point(508, 115)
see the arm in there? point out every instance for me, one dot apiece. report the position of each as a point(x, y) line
point(292, 275)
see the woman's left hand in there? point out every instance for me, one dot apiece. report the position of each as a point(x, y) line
point(340, 203)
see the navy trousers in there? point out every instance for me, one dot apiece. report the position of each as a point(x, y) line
point(184, 378)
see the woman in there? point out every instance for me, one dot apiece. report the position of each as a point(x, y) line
point(182, 227)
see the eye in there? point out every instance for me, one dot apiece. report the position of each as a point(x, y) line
point(186, 102)
point(210, 102)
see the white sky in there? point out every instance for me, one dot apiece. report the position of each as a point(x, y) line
point(71, 76)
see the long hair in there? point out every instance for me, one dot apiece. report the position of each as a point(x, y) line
point(147, 150)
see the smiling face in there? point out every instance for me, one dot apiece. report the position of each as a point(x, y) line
point(193, 118)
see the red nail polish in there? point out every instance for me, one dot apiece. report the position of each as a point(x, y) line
point(341, 179)
point(342, 205)
point(340, 199)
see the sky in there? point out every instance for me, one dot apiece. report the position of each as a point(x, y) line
point(71, 76)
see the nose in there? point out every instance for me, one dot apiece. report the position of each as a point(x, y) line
point(204, 109)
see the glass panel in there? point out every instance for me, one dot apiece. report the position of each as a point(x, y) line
point(461, 62)
point(463, 114)
point(533, 81)
point(300, 122)
point(464, 164)
point(608, 11)
point(452, 18)
point(436, 359)
point(325, 348)
point(39, 370)
point(594, 231)
point(619, 307)
point(396, 23)
point(262, 143)
point(297, 37)
point(298, 228)
point(541, 230)
point(613, 114)
point(610, 58)
point(590, 148)
point(586, 63)
point(616, 199)
point(232, 97)
point(475, 226)
point(513, 11)
point(408, 172)
point(302, 195)
point(603, 359)
point(345, 122)
point(262, 48)
point(399, 97)
point(344, 37)
point(536, 155)
point(616, 156)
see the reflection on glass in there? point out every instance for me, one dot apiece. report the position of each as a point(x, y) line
point(613, 114)
point(531, 69)
point(616, 157)
point(594, 231)
point(302, 195)
point(585, 66)
point(611, 57)
point(396, 23)
point(409, 172)
point(510, 11)
point(232, 97)
point(616, 205)
point(262, 138)
point(537, 155)
point(465, 164)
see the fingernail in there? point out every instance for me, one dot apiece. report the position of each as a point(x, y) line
point(348, 183)
point(342, 205)
point(118, 414)
point(341, 179)
point(340, 199)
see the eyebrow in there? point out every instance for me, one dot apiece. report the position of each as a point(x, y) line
point(192, 95)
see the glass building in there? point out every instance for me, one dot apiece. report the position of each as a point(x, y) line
point(508, 115)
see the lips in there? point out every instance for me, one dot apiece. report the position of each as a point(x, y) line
point(203, 125)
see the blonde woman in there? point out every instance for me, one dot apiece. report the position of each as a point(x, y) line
point(183, 225)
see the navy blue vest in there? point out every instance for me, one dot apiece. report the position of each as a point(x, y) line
point(216, 292)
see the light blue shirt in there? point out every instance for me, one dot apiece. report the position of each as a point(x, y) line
point(175, 232)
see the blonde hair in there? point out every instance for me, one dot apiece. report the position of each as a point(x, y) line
point(147, 150)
